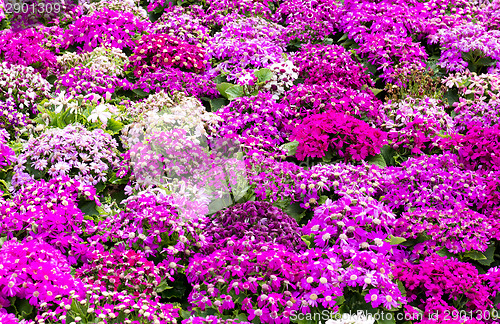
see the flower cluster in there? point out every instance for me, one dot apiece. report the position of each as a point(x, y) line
point(308, 99)
point(79, 80)
point(415, 125)
point(257, 122)
point(23, 86)
point(104, 28)
point(87, 156)
point(8, 155)
point(259, 221)
point(330, 63)
point(110, 61)
point(458, 230)
point(158, 51)
point(358, 228)
point(99, 304)
point(282, 80)
point(347, 137)
point(48, 211)
point(438, 284)
point(34, 271)
point(173, 79)
point(23, 48)
point(156, 224)
point(11, 119)
point(263, 273)
point(183, 23)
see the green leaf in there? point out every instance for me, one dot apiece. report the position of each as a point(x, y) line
point(328, 157)
point(375, 90)
point(234, 92)
point(184, 314)
point(386, 318)
point(485, 61)
point(216, 104)
point(402, 288)
point(23, 307)
point(89, 208)
point(452, 96)
point(264, 75)
point(222, 87)
point(490, 256)
point(295, 211)
point(140, 93)
point(114, 126)
point(290, 147)
point(162, 286)
point(242, 317)
point(52, 78)
point(388, 154)
point(395, 240)
point(475, 255)
point(377, 159)
point(343, 38)
point(308, 239)
point(444, 252)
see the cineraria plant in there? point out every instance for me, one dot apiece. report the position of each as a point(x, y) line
point(186, 24)
point(415, 125)
point(478, 149)
point(258, 221)
point(437, 181)
point(11, 119)
point(320, 64)
point(104, 28)
point(458, 230)
point(97, 304)
point(107, 60)
point(86, 156)
point(308, 99)
point(81, 80)
point(23, 86)
point(131, 6)
point(438, 284)
point(284, 74)
point(259, 279)
point(35, 271)
point(23, 48)
point(8, 156)
point(162, 51)
point(173, 79)
point(125, 271)
point(48, 211)
point(156, 224)
point(338, 135)
point(257, 122)
point(307, 21)
point(359, 229)
point(232, 57)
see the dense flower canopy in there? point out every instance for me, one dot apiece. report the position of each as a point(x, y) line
point(250, 161)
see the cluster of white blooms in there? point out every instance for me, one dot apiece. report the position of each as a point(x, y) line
point(161, 112)
point(283, 76)
point(109, 61)
point(22, 85)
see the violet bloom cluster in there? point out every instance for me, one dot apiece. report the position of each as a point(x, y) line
point(259, 221)
point(347, 137)
point(87, 156)
point(358, 229)
point(104, 28)
point(48, 210)
point(35, 271)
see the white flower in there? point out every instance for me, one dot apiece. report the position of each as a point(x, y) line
point(100, 112)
